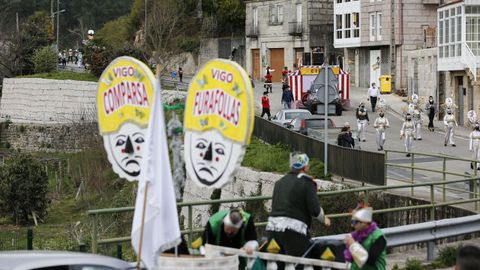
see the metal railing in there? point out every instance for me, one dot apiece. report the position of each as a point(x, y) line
point(272, 259)
point(177, 85)
point(424, 232)
point(469, 59)
point(444, 172)
point(190, 230)
point(295, 28)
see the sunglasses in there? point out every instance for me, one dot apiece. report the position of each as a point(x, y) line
point(354, 222)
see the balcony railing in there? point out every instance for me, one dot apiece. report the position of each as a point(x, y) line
point(469, 59)
point(252, 31)
point(295, 29)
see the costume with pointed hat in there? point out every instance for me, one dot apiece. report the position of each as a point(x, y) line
point(407, 132)
point(381, 124)
point(362, 121)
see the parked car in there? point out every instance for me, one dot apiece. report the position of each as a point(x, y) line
point(284, 116)
point(59, 260)
point(301, 124)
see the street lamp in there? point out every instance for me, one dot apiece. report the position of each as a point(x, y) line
point(58, 23)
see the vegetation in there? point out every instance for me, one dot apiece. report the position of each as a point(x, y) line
point(44, 60)
point(23, 189)
point(64, 75)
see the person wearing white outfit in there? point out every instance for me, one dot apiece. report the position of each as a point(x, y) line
point(417, 120)
point(407, 132)
point(475, 145)
point(450, 123)
point(362, 121)
point(381, 124)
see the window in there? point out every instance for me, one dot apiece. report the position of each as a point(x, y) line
point(373, 29)
point(255, 18)
point(473, 33)
point(440, 32)
point(299, 13)
point(338, 22)
point(356, 25)
point(276, 14)
point(348, 24)
point(379, 26)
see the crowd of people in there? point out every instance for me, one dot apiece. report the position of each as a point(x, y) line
point(70, 56)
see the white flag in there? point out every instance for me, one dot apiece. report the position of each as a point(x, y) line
point(161, 229)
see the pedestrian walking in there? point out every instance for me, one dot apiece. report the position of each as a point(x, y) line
point(468, 258)
point(450, 124)
point(287, 98)
point(362, 121)
point(252, 82)
point(64, 59)
point(70, 56)
point(418, 121)
point(381, 124)
point(474, 145)
point(268, 81)
point(430, 110)
point(180, 74)
point(294, 204)
point(173, 74)
point(407, 133)
point(366, 245)
point(285, 75)
point(265, 105)
point(373, 95)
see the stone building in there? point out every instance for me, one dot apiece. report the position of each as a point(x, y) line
point(459, 55)
point(287, 33)
point(376, 36)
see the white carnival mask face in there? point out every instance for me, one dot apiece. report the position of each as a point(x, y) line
point(124, 150)
point(210, 155)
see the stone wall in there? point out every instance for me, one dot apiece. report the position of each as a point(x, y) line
point(246, 183)
point(422, 72)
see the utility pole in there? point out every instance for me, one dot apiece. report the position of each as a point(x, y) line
point(18, 27)
point(146, 5)
point(58, 23)
point(326, 68)
point(51, 15)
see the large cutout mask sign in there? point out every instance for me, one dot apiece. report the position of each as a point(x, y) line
point(124, 101)
point(218, 122)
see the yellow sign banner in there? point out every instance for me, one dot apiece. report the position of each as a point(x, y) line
point(315, 70)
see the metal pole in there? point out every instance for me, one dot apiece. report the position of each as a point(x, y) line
point(146, 3)
point(325, 142)
point(432, 199)
point(413, 172)
point(94, 234)
point(444, 178)
point(190, 225)
point(58, 26)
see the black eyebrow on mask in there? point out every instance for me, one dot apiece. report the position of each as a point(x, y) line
point(220, 144)
point(120, 136)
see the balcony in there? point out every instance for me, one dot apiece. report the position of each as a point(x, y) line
point(252, 31)
point(295, 29)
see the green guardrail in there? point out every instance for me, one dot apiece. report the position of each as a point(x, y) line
point(444, 172)
point(190, 230)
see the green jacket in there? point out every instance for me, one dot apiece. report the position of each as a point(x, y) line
point(216, 224)
point(367, 244)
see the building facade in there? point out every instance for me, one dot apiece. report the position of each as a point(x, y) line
point(376, 35)
point(459, 55)
point(287, 33)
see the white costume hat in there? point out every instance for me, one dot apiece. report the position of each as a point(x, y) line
point(363, 214)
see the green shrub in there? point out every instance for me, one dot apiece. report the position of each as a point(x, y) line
point(23, 189)
point(414, 264)
point(188, 44)
point(447, 256)
point(44, 60)
point(64, 75)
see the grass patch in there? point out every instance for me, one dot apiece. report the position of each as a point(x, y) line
point(275, 158)
point(63, 75)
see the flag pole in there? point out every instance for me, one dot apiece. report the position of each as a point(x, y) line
point(139, 257)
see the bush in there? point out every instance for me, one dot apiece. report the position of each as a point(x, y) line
point(447, 256)
point(44, 60)
point(414, 265)
point(188, 44)
point(23, 189)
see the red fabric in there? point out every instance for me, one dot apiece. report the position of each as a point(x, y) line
point(268, 77)
point(265, 102)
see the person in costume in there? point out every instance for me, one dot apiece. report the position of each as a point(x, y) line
point(367, 245)
point(407, 132)
point(294, 204)
point(450, 123)
point(362, 121)
point(381, 124)
point(468, 258)
point(417, 120)
point(475, 144)
point(231, 228)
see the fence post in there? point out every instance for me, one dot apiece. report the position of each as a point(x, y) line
point(430, 250)
point(432, 199)
point(386, 168)
point(413, 172)
point(365, 198)
point(190, 226)
point(94, 234)
point(119, 251)
point(444, 194)
point(29, 239)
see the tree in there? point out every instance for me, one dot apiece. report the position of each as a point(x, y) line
point(230, 15)
point(23, 189)
point(44, 60)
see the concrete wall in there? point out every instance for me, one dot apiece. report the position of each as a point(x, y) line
point(247, 182)
point(422, 72)
point(42, 101)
